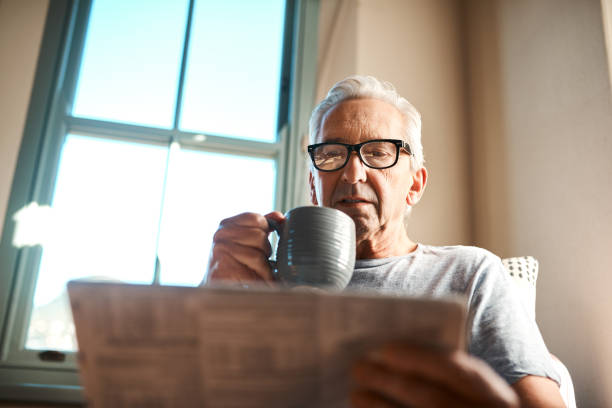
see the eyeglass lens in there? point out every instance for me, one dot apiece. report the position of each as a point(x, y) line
point(374, 154)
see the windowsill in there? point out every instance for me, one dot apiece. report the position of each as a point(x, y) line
point(41, 386)
point(64, 395)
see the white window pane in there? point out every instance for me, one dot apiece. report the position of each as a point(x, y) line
point(233, 71)
point(105, 210)
point(203, 188)
point(131, 61)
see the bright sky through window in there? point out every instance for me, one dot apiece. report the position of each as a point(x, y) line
point(121, 207)
point(131, 61)
point(131, 65)
point(233, 72)
point(106, 205)
point(202, 189)
point(105, 216)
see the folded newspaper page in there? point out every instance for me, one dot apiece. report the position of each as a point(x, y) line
point(160, 346)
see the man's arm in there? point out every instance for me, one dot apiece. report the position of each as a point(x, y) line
point(535, 391)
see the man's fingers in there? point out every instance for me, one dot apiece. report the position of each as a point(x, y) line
point(438, 365)
point(456, 370)
point(368, 399)
point(406, 389)
point(252, 220)
point(241, 249)
point(246, 236)
point(232, 271)
point(247, 257)
point(276, 216)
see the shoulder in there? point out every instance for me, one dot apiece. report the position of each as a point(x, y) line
point(456, 250)
point(472, 268)
point(468, 255)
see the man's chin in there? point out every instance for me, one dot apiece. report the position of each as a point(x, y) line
point(356, 209)
point(362, 230)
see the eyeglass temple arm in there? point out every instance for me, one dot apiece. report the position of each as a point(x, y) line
point(406, 146)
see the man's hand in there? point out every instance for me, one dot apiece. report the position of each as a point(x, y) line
point(240, 249)
point(401, 375)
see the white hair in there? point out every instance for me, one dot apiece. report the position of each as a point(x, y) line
point(362, 87)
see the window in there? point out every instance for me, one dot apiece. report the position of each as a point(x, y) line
point(147, 126)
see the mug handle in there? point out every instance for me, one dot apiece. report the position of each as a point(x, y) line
point(274, 226)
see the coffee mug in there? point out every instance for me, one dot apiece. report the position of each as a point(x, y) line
point(316, 248)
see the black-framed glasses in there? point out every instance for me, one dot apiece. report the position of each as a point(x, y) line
point(376, 154)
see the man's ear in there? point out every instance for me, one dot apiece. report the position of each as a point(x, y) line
point(313, 192)
point(419, 181)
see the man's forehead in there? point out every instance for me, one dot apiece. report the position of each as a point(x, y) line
point(369, 117)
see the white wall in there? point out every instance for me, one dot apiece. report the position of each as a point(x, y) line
point(21, 27)
point(337, 46)
point(542, 134)
point(606, 6)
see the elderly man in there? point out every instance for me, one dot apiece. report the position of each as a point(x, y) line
point(367, 161)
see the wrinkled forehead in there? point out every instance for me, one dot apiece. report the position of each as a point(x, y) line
point(356, 120)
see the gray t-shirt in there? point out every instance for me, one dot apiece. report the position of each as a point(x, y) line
point(499, 330)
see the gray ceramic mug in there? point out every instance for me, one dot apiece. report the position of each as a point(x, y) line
point(316, 248)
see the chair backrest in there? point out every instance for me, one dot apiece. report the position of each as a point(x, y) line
point(524, 272)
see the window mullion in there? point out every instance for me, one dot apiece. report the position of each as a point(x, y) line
point(157, 271)
point(174, 137)
point(181, 82)
point(220, 144)
point(135, 133)
point(117, 130)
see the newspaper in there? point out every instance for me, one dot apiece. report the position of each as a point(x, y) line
point(160, 346)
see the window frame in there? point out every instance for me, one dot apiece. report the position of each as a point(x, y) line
point(23, 376)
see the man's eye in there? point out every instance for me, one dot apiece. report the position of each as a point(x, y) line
point(331, 154)
point(377, 153)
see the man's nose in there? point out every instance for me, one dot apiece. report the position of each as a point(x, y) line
point(354, 171)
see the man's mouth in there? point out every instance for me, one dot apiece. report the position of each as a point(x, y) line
point(353, 200)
